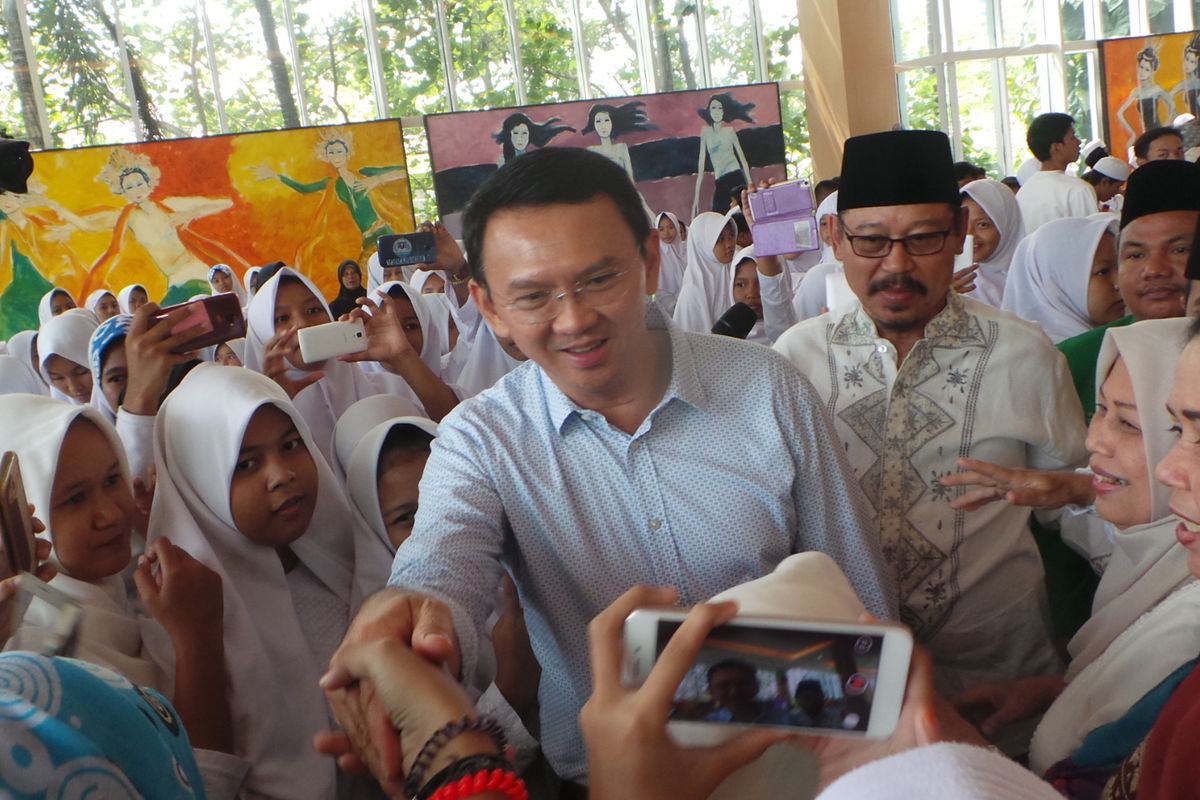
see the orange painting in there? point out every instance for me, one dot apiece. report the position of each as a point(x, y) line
point(1148, 82)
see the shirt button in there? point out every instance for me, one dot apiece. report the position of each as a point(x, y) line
point(881, 348)
point(655, 524)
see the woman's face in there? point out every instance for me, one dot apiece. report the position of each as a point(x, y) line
point(107, 307)
point(60, 302)
point(226, 357)
point(1104, 303)
point(726, 242)
point(1191, 60)
point(980, 225)
point(91, 507)
point(337, 153)
point(137, 299)
point(1118, 454)
point(114, 374)
point(716, 111)
point(603, 124)
point(667, 230)
point(351, 280)
point(745, 286)
point(222, 281)
point(520, 137)
point(73, 380)
point(1145, 69)
point(297, 307)
point(135, 187)
point(273, 492)
point(410, 322)
point(433, 285)
point(1180, 470)
point(399, 476)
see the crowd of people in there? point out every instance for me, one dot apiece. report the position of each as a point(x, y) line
point(404, 572)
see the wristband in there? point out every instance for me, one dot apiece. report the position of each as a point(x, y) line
point(497, 780)
point(464, 768)
point(441, 737)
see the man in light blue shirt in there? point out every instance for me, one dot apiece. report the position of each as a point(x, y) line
point(625, 451)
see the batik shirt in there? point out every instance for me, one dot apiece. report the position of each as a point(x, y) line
point(981, 384)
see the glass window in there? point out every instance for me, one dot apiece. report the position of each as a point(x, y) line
point(480, 53)
point(545, 32)
point(977, 99)
point(1081, 71)
point(420, 173)
point(257, 83)
point(412, 59)
point(919, 99)
point(781, 39)
point(1114, 17)
point(333, 62)
point(673, 41)
point(974, 24)
point(173, 62)
point(1025, 102)
point(1022, 23)
point(610, 41)
point(911, 29)
point(1162, 16)
point(18, 109)
point(729, 30)
point(76, 51)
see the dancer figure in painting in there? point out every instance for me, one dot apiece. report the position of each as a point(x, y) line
point(1147, 95)
point(719, 144)
point(161, 227)
point(1189, 87)
point(371, 211)
point(608, 122)
point(519, 132)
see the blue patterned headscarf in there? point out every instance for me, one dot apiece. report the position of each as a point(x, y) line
point(108, 333)
point(73, 729)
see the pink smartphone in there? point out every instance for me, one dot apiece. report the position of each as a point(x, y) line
point(213, 320)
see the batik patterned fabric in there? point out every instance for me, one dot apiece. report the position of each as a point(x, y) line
point(981, 384)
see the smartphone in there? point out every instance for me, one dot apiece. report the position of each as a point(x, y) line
point(212, 320)
point(322, 342)
point(16, 523)
point(406, 249)
point(58, 619)
point(967, 257)
point(826, 678)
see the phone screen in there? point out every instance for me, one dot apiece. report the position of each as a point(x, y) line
point(754, 675)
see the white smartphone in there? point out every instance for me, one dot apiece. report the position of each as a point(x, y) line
point(826, 678)
point(322, 342)
point(59, 618)
point(967, 257)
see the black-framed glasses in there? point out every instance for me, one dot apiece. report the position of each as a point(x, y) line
point(917, 244)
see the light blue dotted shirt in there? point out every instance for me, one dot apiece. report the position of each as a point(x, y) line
point(736, 469)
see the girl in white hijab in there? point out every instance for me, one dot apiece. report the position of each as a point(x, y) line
point(374, 272)
point(359, 419)
point(53, 303)
point(251, 274)
point(16, 378)
point(1063, 277)
point(486, 361)
point(704, 295)
point(132, 297)
point(673, 251)
point(811, 296)
point(63, 352)
point(431, 344)
point(441, 307)
point(23, 347)
point(242, 487)
point(103, 304)
point(221, 280)
point(995, 222)
point(771, 302)
point(75, 475)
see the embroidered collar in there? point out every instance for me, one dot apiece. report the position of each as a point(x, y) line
point(954, 326)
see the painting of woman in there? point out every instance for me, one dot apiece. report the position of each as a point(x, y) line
point(518, 133)
point(719, 145)
point(1147, 95)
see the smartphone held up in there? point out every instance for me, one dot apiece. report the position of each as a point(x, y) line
point(815, 677)
point(211, 320)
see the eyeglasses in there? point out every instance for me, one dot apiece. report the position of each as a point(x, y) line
point(544, 305)
point(918, 244)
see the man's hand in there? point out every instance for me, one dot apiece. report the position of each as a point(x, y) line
point(148, 347)
point(630, 754)
point(1011, 701)
point(1035, 488)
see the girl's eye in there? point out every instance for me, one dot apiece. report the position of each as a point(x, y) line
point(245, 465)
point(74, 499)
point(112, 480)
point(281, 319)
point(291, 445)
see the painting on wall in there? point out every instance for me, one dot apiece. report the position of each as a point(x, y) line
point(684, 150)
point(161, 213)
point(1148, 82)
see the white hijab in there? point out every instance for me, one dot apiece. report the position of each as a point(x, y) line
point(20, 347)
point(94, 299)
point(360, 418)
point(238, 346)
point(112, 634)
point(374, 272)
point(362, 481)
point(674, 264)
point(249, 284)
point(238, 289)
point(66, 335)
point(106, 335)
point(1049, 275)
point(704, 295)
point(45, 313)
point(276, 703)
point(435, 336)
point(16, 378)
point(485, 363)
point(441, 307)
point(123, 297)
point(323, 402)
point(824, 209)
point(757, 333)
point(1142, 601)
point(1000, 204)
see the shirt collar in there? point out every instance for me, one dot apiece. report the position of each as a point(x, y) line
point(952, 324)
point(685, 382)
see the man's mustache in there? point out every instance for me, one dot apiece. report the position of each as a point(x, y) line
point(893, 282)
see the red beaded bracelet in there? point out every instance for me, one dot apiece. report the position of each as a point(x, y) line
point(494, 780)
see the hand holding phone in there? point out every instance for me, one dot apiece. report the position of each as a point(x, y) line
point(323, 342)
point(212, 320)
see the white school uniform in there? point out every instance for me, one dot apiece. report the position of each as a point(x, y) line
point(704, 295)
point(672, 267)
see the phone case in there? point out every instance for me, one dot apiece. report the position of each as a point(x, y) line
point(16, 523)
point(332, 339)
point(215, 319)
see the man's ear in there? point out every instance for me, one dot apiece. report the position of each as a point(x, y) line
point(652, 258)
point(836, 240)
point(487, 306)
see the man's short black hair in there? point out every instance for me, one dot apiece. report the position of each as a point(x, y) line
point(1141, 146)
point(1011, 182)
point(570, 175)
point(731, 663)
point(1045, 130)
point(965, 169)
